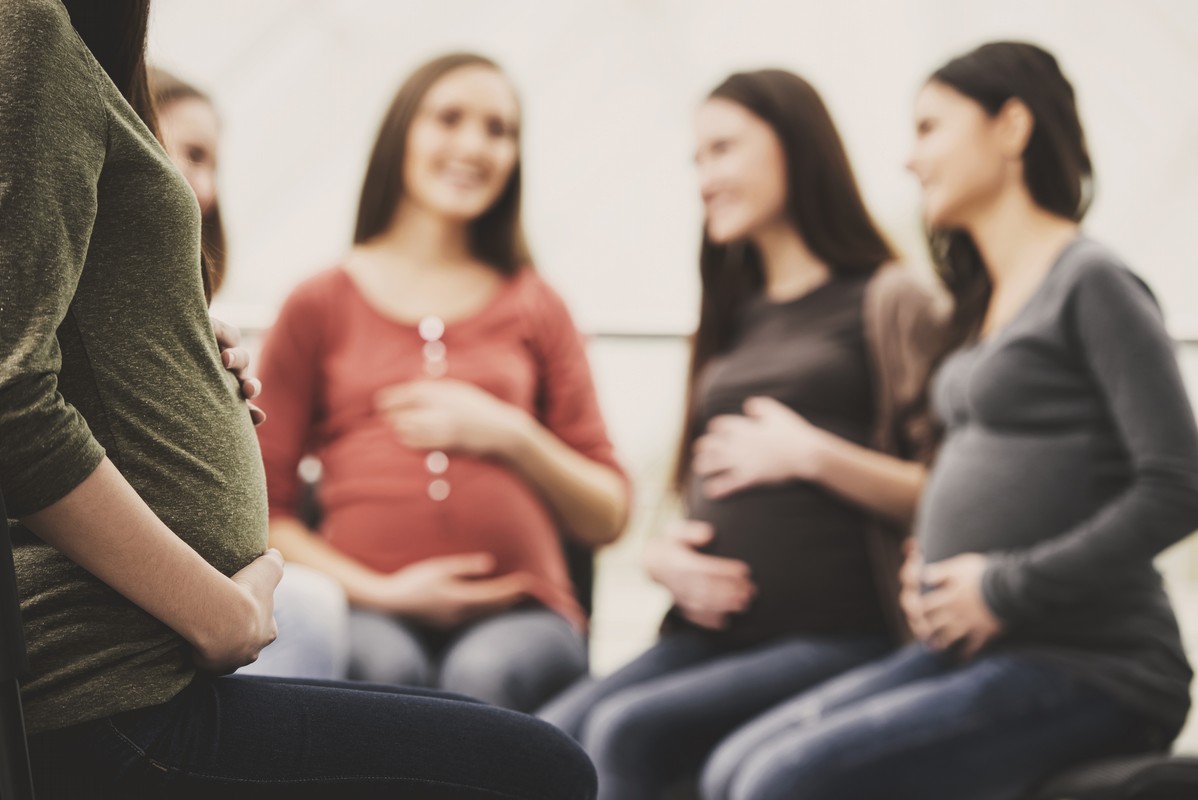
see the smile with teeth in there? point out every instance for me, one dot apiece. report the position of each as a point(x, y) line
point(464, 177)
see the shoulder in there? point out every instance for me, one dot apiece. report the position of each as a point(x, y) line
point(1090, 267)
point(314, 295)
point(33, 18)
point(538, 297)
point(900, 301)
point(47, 74)
point(35, 38)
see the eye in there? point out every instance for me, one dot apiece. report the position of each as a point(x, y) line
point(498, 129)
point(450, 117)
point(197, 155)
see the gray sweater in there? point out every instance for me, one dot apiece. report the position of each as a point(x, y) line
point(1071, 459)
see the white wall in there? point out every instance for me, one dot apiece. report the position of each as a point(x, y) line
point(609, 88)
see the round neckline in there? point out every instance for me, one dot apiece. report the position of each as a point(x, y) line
point(834, 279)
point(507, 285)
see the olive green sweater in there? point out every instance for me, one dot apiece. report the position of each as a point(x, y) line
point(105, 348)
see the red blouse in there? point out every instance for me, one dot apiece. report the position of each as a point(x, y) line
point(324, 361)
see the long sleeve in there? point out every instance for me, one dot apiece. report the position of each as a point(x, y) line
point(53, 134)
point(569, 406)
point(1119, 333)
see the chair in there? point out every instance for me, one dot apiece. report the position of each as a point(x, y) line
point(1145, 777)
point(16, 779)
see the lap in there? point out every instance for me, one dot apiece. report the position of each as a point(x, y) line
point(384, 648)
point(265, 738)
point(516, 659)
point(919, 725)
point(702, 701)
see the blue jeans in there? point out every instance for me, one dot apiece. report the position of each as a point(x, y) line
point(651, 724)
point(516, 659)
point(922, 726)
point(238, 738)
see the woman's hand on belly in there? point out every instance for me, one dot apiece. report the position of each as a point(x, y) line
point(953, 605)
point(447, 591)
point(247, 633)
point(770, 444)
point(706, 589)
point(237, 360)
point(453, 416)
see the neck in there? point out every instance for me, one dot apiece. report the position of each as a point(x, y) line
point(421, 237)
point(1015, 235)
point(790, 268)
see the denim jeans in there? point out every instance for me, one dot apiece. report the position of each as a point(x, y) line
point(250, 737)
point(652, 724)
point(516, 659)
point(922, 726)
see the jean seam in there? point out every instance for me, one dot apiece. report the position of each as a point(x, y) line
point(338, 779)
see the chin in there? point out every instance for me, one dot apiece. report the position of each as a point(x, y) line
point(725, 234)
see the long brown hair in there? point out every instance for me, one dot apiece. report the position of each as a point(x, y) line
point(1057, 169)
point(167, 88)
point(115, 32)
point(823, 203)
point(497, 237)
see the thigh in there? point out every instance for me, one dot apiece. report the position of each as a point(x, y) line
point(517, 659)
point(988, 730)
point(803, 709)
point(570, 710)
point(313, 619)
point(260, 738)
point(386, 649)
point(667, 726)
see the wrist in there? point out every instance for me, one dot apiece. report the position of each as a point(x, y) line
point(812, 462)
point(518, 439)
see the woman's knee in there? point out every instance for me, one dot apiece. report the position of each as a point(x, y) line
point(622, 732)
point(384, 650)
point(518, 668)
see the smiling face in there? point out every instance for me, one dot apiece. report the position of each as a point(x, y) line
point(963, 157)
point(742, 171)
point(190, 134)
point(462, 146)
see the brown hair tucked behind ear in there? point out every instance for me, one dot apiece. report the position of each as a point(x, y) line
point(1057, 167)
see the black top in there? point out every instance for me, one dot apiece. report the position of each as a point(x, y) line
point(1071, 458)
point(806, 548)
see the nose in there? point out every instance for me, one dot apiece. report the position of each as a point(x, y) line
point(471, 139)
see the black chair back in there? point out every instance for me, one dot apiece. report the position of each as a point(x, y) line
point(16, 780)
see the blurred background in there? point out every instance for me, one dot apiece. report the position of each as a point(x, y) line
point(609, 88)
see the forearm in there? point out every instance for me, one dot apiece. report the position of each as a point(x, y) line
point(877, 482)
point(106, 528)
point(300, 545)
point(591, 499)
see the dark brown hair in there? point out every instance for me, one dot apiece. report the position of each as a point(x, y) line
point(1056, 162)
point(115, 32)
point(823, 203)
point(166, 89)
point(497, 237)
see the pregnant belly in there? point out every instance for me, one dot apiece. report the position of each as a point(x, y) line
point(807, 556)
point(992, 491)
point(489, 509)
